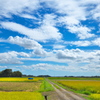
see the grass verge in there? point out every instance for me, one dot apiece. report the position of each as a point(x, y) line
point(46, 86)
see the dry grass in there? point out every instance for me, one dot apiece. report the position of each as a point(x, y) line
point(19, 86)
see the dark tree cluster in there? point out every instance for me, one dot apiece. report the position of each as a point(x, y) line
point(43, 76)
point(9, 73)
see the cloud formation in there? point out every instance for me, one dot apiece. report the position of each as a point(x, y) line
point(10, 7)
point(51, 31)
point(24, 42)
point(12, 57)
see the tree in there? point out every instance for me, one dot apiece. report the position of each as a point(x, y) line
point(16, 74)
point(6, 73)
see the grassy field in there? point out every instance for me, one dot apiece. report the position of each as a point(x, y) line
point(20, 96)
point(24, 79)
point(87, 86)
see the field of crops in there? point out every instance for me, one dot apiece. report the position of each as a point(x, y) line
point(20, 88)
point(90, 87)
point(95, 96)
point(73, 78)
point(25, 79)
point(20, 96)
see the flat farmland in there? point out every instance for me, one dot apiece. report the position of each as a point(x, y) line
point(21, 96)
point(16, 79)
point(20, 88)
point(90, 87)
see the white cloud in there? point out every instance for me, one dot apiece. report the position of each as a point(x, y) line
point(85, 43)
point(71, 8)
point(45, 32)
point(58, 46)
point(39, 52)
point(73, 56)
point(65, 55)
point(76, 60)
point(82, 32)
point(80, 43)
point(45, 66)
point(73, 12)
point(28, 16)
point(68, 20)
point(3, 66)
point(9, 7)
point(70, 68)
point(76, 56)
point(24, 42)
point(96, 42)
point(12, 57)
point(96, 12)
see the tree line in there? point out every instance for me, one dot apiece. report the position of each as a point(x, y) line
point(9, 73)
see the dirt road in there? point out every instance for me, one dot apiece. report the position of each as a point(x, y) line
point(62, 94)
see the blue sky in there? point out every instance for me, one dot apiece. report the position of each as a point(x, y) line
point(54, 37)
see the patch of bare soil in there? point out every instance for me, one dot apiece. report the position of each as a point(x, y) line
point(52, 95)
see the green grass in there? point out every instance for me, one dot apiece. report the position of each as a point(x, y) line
point(46, 86)
point(21, 96)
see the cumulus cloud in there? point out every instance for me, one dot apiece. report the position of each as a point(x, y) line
point(65, 55)
point(72, 15)
point(39, 52)
point(71, 68)
point(24, 42)
point(81, 31)
point(12, 57)
point(77, 55)
point(96, 42)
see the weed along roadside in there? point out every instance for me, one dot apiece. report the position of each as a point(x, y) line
point(46, 89)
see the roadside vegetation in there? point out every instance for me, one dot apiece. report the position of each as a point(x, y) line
point(46, 86)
